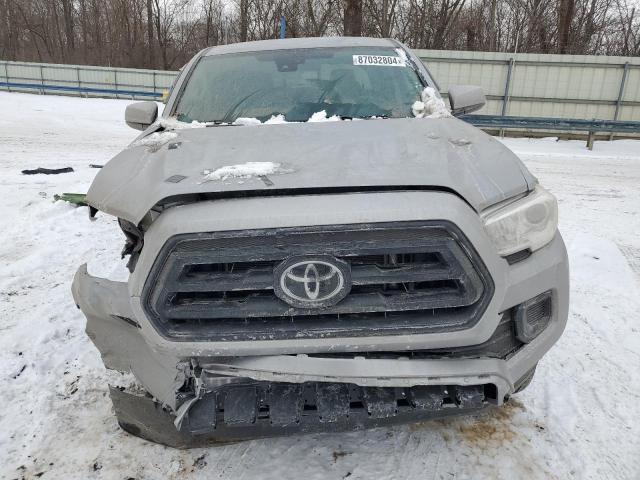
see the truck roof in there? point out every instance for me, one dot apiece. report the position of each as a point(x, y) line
point(307, 42)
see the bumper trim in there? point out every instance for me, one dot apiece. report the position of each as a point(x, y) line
point(367, 372)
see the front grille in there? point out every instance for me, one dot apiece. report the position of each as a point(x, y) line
point(407, 278)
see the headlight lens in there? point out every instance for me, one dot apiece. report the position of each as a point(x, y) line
point(528, 223)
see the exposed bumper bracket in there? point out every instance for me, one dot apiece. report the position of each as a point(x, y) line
point(263, 409)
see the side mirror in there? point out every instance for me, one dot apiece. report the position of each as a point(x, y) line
point(466, 99)
point(140, 115)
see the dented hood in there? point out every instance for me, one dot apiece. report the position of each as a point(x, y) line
point(444, 153)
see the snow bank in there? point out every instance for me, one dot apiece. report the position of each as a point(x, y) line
point(243, 170)
point(431, 105)
point(578, 419)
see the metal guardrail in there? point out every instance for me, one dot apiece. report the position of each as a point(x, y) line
point(84, 80)
point(499, 122)
point(543, 123)
point(88, 90)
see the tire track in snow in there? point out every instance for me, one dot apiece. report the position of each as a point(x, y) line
point(632, 254)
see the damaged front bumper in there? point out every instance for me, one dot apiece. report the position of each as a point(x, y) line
point(202, 399)
point(250, 409)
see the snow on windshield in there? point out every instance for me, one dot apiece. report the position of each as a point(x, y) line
point(246, 121)
point(322, 117)
point(430, 105)
point(172, 123)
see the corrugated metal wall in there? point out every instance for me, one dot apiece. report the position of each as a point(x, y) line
point(567, 86)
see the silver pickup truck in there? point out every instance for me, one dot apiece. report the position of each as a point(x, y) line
point(317, 244)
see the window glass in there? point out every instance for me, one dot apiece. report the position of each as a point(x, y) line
point(349, 82)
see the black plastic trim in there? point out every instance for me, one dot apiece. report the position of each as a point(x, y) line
point(263, 409)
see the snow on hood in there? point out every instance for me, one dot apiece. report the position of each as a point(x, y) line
point(155, 140)
point(444, 153)
point(243, 170)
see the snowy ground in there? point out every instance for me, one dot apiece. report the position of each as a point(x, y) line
point(579, 419)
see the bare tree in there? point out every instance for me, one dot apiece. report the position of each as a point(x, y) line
point(244, 20)
point(166, 33)
point(565, 15)
point(382, 16)
point(150, 44)
point(352, 18)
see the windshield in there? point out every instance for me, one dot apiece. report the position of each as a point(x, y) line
point(355, 82)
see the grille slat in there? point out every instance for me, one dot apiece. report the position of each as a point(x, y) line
point(257, 305)
point(404, 275)
point(262, 278)
point(252, 279)
point(373, 274)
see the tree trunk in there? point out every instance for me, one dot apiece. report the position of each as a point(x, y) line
point(4, 28)
point(67, 12)
point(150, 45)
point(244, 19)
point(493, 34)
point(353, 18)
point(471, 37)
point(565, 15)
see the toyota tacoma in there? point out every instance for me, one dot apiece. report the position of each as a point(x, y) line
point(316, 243)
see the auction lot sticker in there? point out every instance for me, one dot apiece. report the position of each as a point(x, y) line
point(381, 60)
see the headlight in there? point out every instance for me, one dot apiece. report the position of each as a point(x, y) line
point(528, 223)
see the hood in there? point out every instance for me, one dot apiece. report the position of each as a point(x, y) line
point(444, 153)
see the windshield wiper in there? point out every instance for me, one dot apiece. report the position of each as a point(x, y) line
point(235, 107)
point(365, 117)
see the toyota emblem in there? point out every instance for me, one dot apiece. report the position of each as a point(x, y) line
point(312, 281)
